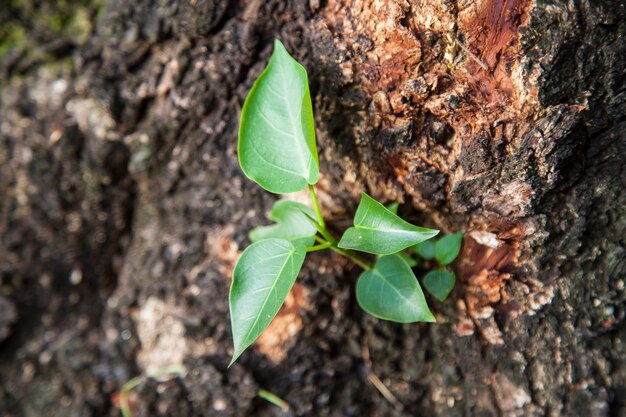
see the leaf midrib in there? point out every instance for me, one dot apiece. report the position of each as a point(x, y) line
point(253, 147)
point(386, 230)
point(372, 203)
point(377, 273)
point(271, 287)
point(297, 133)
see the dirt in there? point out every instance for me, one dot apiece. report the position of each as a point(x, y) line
point(123, 208)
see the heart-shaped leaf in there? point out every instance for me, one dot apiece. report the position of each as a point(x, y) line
point(439, 283)
point(425, 250)
point(276, 135)
point(292, 224)
point(377, 230)
point(262, 278)
point(447, 248)
point(390, 291)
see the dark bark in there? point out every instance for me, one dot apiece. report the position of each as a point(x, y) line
point(123, 208)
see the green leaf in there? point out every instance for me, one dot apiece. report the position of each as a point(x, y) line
point(410, 261)
point(262, 278)
point(390, 291)
point(439, 283)
point(447, 248)
point(425, 250)
point(276, 135)
point(377, 230)
point(393, 207)
point(292, 224)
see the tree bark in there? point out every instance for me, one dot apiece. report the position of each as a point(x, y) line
point(124, 210)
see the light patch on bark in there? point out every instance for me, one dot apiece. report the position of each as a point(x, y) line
point(511, 398)
point(162, 336)
point(485, 238)
point(92, 118)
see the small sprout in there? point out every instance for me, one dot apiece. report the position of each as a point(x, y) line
point(158, 374)
point(447, 248)
point(277, 150)
point(273, 399)
point(439, 283)
point(425, 250)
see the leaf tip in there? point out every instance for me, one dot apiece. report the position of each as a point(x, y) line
point(236, 354)
point(430, 318)
point(279, 48)
point(232, 361)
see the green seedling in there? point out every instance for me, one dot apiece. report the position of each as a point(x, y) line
point(272, 398)
point(440, 282)
point(128, 387)
point(447, 248)
point(277, 150)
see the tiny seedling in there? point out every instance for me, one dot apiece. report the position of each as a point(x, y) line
point(440, 282)
point(124, 392)
point(272, 398)
point(277, 150)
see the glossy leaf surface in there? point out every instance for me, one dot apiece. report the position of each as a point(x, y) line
point(276, 135)
point(439, 283)
point(447, 248)
point(262, 278)
point(390, 291)
point(291, 224)
point(377, 230)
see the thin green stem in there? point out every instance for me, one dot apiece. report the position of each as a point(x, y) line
point(318, 247)
point(316, 206)
point(321, 225)
point(131, 384)
point(348, 254)
point(174, 370)
point(134, 382)
point(313, 222)
point(273, 398)
point(329, 238)
point(328, 241)
point(125, 391)
point(355, 258)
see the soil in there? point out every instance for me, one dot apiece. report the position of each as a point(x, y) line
point(123, 209)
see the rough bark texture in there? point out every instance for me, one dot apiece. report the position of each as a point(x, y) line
point(123, 209)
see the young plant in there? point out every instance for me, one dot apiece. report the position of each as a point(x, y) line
point(124, 393)
point(277, 150)
point(440, 282)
